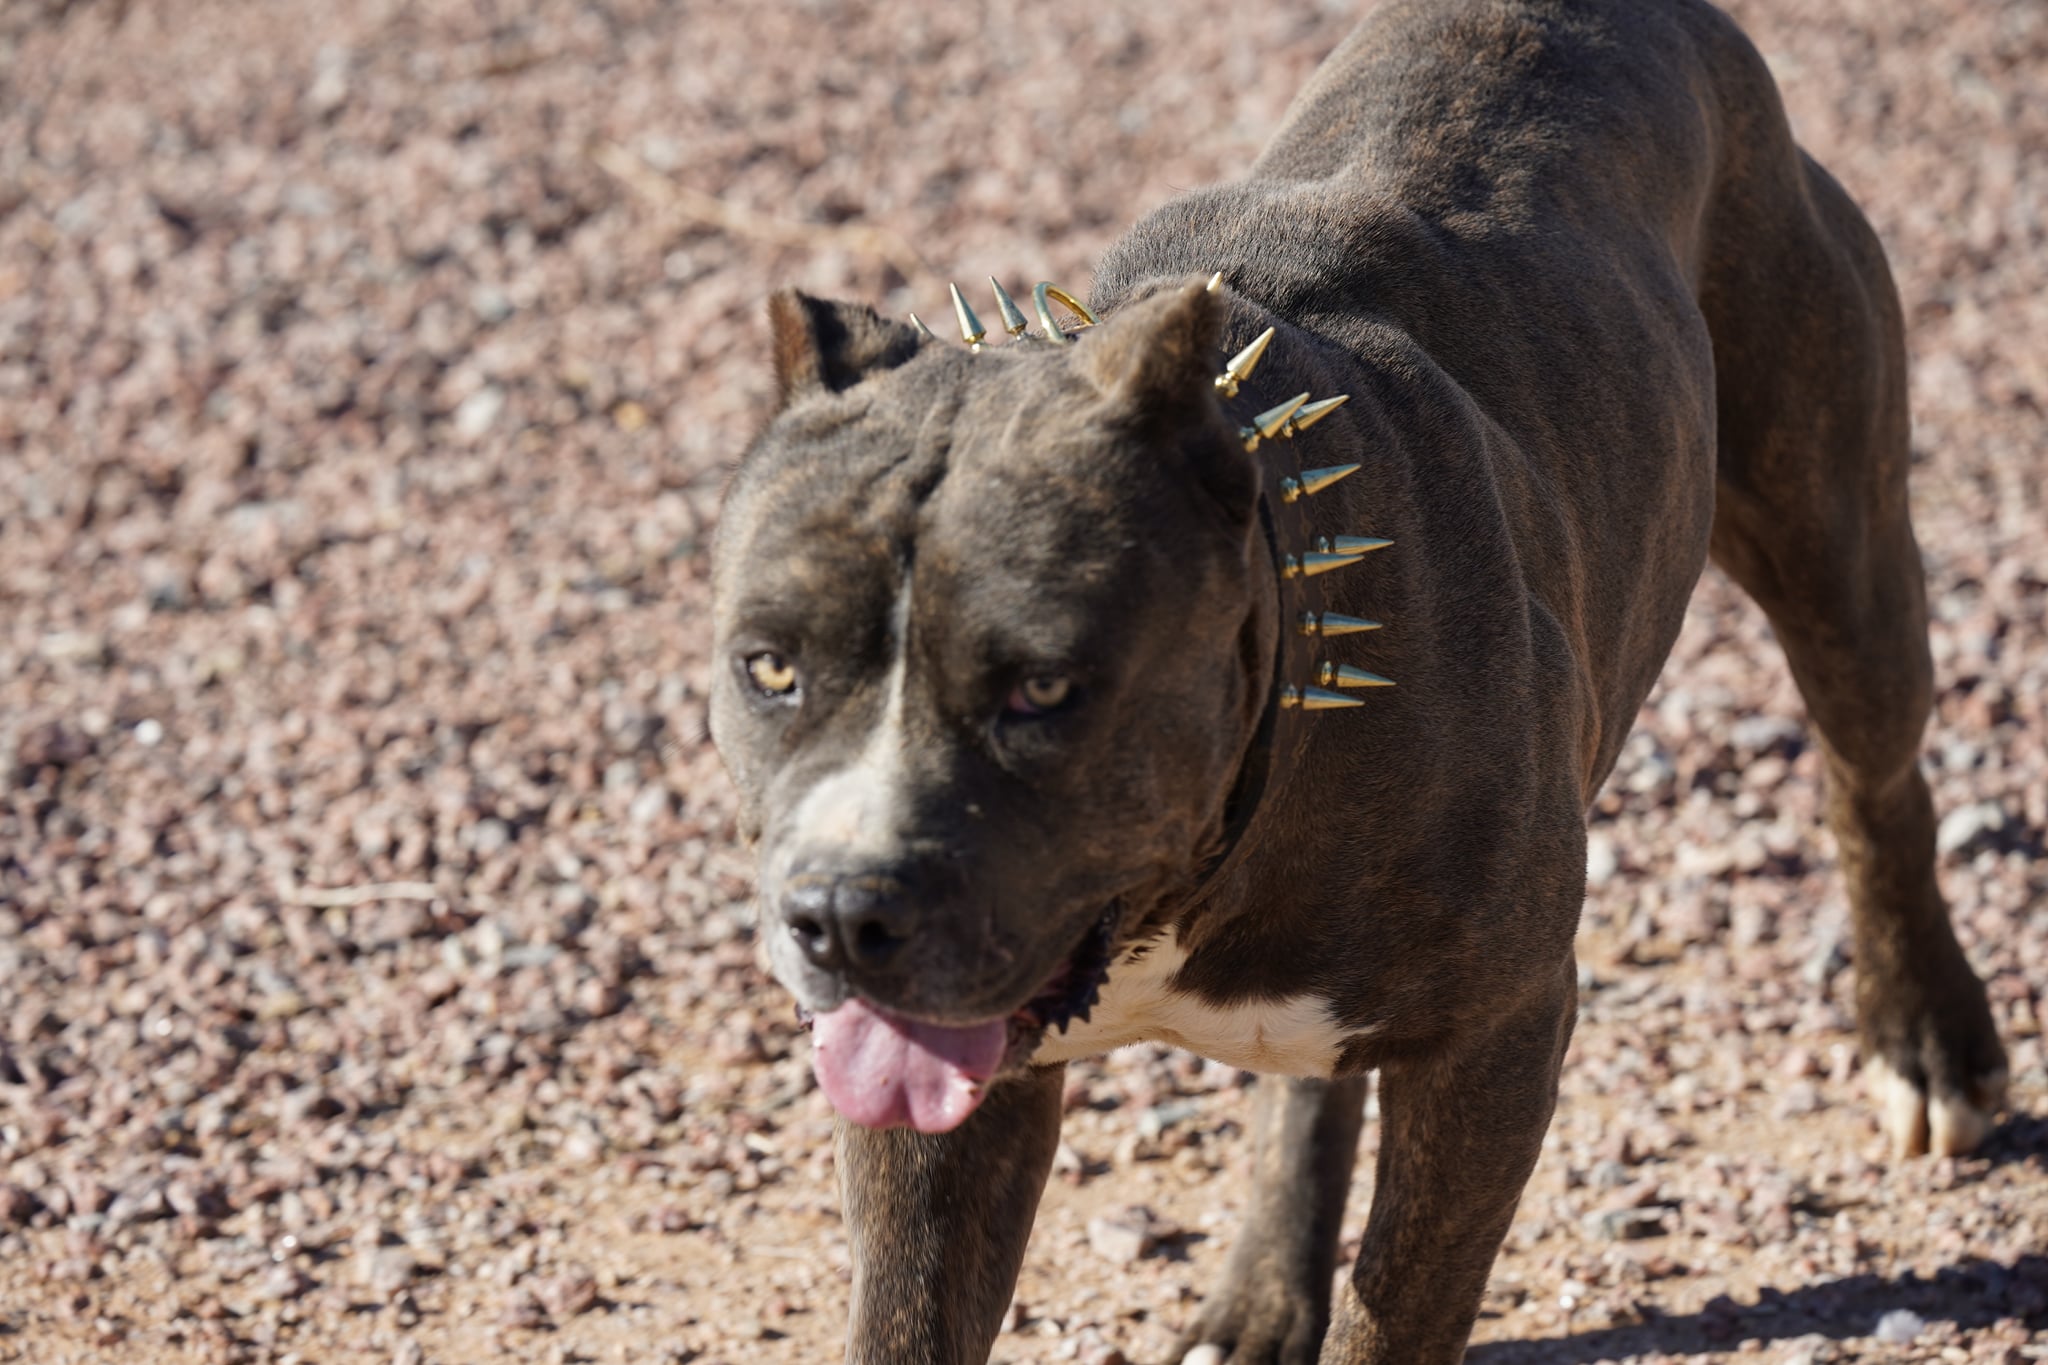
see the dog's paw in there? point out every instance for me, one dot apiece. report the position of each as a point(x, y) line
point(1919, 1118)
point(1239, 1327)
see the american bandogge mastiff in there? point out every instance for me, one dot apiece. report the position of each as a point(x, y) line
point(1236, 668)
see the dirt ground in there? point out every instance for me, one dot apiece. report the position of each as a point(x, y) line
point(375, 975)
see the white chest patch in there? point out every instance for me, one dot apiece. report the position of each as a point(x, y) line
point(1288, 1036)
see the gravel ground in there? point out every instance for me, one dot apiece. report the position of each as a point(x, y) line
point(378, 982)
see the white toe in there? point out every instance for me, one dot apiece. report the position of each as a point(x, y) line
point(1901, 1108)
point(1956, 1124)
point(1208, 1353)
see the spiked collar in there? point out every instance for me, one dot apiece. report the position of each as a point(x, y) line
point(1305, 679)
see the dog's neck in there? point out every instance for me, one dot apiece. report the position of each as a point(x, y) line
point(1280, 675)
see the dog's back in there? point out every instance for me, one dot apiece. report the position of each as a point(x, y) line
point(1508, 209)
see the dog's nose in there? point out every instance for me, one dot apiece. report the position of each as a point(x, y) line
point(848, 922)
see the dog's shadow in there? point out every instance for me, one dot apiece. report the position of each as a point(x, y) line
point(1972, 1292)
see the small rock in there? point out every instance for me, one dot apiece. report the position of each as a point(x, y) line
point(1602, 861)
point(386, 1270)
point(569, 1293)
point(523, 1309)
point(1797, 1099)
point(1621, 1225)
point(52, 744)
point(17, 1205)
point(489, 835)
point(75, 647)
point(1900, 1326)
point(649, 806)
point(142, 1203)
point(1966, 828)
point(1123, 1238)
point(283, 1282)
point(490, 304)
point(475, 414)
point(1761, 734)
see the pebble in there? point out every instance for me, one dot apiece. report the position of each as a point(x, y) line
point(1900, 1326)
point(1967, 828)
point(475, 414)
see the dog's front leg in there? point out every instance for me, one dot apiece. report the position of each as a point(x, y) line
point(1460, 1131)
point(939, 1222)
point(1273, 1300)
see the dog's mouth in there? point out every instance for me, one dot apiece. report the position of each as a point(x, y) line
point(882, 1070)
point(1072, 990)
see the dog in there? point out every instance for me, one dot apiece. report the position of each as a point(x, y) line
point(1054, 675)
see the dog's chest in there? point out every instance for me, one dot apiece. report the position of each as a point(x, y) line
point(1284, 1035)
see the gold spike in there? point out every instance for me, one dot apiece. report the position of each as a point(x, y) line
point(1269, 422)
point(1315, 412)
point(1309, 565)
point(1240, 366)
point(1042, 299)
point(1046, 319)
point(1351, 545)
point(1315, 481)
point(1314, 698)
point(1332, 623)
point(1215, 282)
point(1013, 317)
point(1344, 675)
point(919, 322)
point(1072, 305)
point(971, 329)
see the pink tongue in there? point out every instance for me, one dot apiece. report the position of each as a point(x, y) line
point(882, 1071)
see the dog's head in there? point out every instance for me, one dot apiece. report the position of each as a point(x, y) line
point(992, 632)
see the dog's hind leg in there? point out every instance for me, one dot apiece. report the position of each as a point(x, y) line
point(1273, 1299)
point(939, 1221)
point(1811, 519)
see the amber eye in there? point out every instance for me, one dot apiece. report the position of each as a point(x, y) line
point(773, 674)
point(1036, 696)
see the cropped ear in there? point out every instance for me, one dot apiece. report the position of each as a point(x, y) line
point(1158, 355)
point(1156, 360)
point(824, 344)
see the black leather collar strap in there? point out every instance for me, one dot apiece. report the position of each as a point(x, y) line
point(1282, 734)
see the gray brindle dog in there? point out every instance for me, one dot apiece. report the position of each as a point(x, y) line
point(1038, 665)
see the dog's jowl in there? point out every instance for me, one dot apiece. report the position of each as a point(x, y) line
point(1054, 674)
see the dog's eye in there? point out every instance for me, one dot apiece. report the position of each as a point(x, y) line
point(1036, 696)
point(773, 674)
